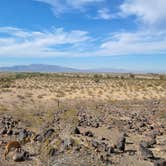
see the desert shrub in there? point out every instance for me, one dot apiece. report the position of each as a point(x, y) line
point(97, 77)
point(131, 75)
point(162, 77)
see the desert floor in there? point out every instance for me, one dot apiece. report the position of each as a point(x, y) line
point(83, 119)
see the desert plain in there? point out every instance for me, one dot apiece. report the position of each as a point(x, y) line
point(83, 119)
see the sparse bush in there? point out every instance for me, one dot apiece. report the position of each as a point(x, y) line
point(162, 77)
point(131, 75)
point(97, 78)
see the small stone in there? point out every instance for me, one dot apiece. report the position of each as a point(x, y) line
point(22, 134)
point(142, 124)
point(68, 142)
point(110, 150)
point(52, 152)
point(78, 148)
point(101, 147)
point(4, 131)
point(145, 144)
point(48, 133)
point(94, 143)
point(18, 157)
point(96, 125)
point(38, 138)
point(77, 131)
point(9, 132)
point(89, 134)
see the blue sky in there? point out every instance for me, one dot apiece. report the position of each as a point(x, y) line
point(122, 34)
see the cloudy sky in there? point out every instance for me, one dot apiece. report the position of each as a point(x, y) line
point(122, 34)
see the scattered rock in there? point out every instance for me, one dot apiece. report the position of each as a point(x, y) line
point(44, 135)
point(102, 147)
point(52, 152)
point(149, 143)
point(161, 162)
point(4, 131)
point(110, 150)
point(19, 156)
point(121, 143)
point(145, 152)
point(22, 135)
point(88, 133)
point(68, 143)
point(76, 131)
point(94, 143)
point(48, 133)
point(145, 144)
point(38, 138)
point(9, 132)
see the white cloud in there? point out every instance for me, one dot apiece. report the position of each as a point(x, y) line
point(141, 42)
point(61, 6)
point(149, 12)
point(104, 14)
point(57, 42)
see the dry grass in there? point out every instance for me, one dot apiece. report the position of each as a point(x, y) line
point(34, 96)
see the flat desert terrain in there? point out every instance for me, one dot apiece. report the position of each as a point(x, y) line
point(76, 119)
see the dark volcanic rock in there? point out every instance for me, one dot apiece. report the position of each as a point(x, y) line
point(94, 143)
point(22, 134)
point(9, 132)
point(38, 138)
point(146, 153)
point(48, 133)
point(121, 143)
point(19, 156)
point(145, 144)
point(44, 135)
point(152, 141)
point(89, 134)
point(52, 152)
point(110, 150)
point(149, 143)
point(160, 163)
point(4, 131)
point(76, 131)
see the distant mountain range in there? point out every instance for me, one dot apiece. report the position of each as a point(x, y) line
point(37, 68)
point(52, 68)
point(56, 68)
